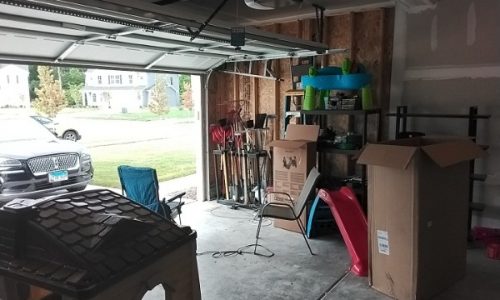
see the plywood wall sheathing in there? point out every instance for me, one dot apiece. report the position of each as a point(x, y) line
point(278, 72)
point(367, 34)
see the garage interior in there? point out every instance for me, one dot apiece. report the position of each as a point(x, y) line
point(409, 126)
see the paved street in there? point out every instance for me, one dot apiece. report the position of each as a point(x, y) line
point(97, 132)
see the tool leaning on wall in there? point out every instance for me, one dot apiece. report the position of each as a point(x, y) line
point(240, 143)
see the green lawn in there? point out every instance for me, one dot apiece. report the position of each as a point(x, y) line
point(169, 164)
point(144, 115)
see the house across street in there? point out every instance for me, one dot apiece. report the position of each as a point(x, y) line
point(14, 86)
point(125, 91)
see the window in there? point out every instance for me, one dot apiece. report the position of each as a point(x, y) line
point(111, 79)
point(171, 81)
point(94, 98)
point(118, 79)
point(99, 79)
point(130, 79)
point(8, 79)
point(17, 79)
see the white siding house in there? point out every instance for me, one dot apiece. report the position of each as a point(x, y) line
point(14, 86)
point(124, 91)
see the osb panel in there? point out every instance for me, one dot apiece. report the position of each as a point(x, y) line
point(290, 28)
point(335, 165)
point(244, 94)
point(285, 85)
point(245, 97)
point(386, 67)
point(369, 48)
point(338, 36)
point(339, 124)
point(266, 96)
point(244, 82)
point(265, 90)
point(254, 97)
point(259, 106)
point(269, 28)
point(223, 94)
point(215, 83)
point(308, 28)
point(368, 36)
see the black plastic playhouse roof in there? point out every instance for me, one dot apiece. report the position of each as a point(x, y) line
point(80, 243)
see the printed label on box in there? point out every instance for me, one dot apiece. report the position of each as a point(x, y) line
point(383, 242)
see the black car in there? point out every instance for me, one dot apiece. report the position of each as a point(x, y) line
point(33, 162)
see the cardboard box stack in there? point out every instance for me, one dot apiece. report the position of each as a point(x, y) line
point(293, 158)
point(417, 213)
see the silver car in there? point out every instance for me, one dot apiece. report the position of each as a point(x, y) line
point(61, 130)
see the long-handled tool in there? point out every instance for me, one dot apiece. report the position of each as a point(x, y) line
point(245, 179)
point(224, 171)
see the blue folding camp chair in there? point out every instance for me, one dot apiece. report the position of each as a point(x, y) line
point(140, 184)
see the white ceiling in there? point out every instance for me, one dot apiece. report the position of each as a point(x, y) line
point(236, 12)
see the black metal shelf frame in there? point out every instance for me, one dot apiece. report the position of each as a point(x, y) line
point(472, 117)
point(306, 117)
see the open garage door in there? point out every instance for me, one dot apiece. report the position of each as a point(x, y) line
point(133, 35)
point(136, 36)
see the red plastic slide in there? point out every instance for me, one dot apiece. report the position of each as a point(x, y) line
point(352, 224)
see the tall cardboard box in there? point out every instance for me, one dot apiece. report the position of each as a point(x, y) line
point(417, 214)
point(293, 158)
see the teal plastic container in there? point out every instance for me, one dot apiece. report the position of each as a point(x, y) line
point(337, 82)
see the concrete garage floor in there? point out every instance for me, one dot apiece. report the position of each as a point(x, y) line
point(293, 273)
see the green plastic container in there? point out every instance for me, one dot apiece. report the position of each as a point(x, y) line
point(321, 101)
point(309, 98)
point(310, 93)
point(366, 97)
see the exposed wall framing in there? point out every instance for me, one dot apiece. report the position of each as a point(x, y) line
point(367, 34)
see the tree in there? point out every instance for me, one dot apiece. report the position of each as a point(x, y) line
point(72, 76)
point(33, 81)
point(49, 95)
point(158, 102)
point(74, 95)
point(73, 80)
point(183, 79)
point(187, 96)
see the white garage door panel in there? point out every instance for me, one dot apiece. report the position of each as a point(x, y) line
point(163, 45)
point(7, 24)
point(46, 15)
point(190, 62)
point(112, 54)
point(30, 46)
point(126, 35)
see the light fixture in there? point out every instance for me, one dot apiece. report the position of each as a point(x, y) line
point(255, 4)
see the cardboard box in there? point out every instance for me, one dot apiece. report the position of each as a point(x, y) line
point(417, 214)
point(293, 158)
